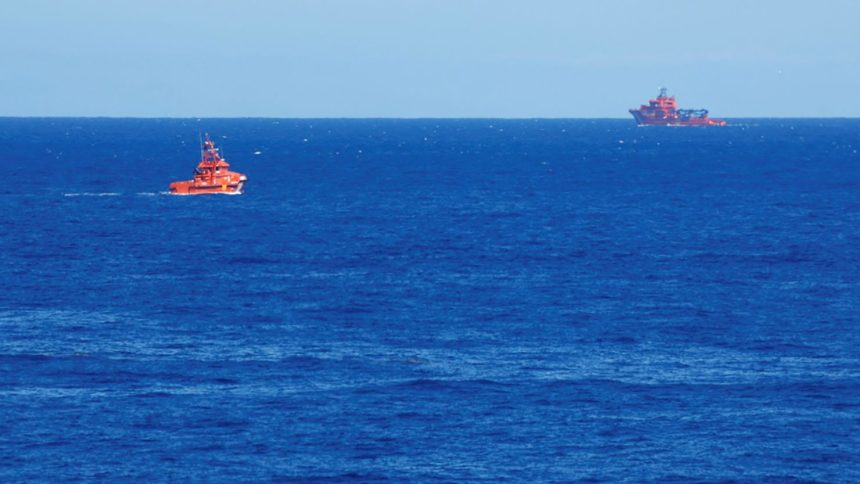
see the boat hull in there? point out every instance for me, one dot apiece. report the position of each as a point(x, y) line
point(643, 120)
point(190, 187)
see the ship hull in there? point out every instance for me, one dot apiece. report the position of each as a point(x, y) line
point(189, 187)
point(643, 120)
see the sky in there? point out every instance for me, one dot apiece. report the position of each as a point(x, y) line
point(427, 58)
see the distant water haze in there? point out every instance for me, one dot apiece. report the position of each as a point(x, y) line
point(427, 58)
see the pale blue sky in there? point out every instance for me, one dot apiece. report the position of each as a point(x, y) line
point(426, 58)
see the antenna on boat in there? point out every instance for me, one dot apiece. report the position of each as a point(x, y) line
point(200, 140)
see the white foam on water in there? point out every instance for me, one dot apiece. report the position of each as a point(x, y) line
point(92, 194)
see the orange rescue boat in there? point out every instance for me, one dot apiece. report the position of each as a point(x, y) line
point(212, 176)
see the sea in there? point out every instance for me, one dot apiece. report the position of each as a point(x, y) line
point(431, 300)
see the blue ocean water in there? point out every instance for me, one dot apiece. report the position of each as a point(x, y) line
point(420, 300)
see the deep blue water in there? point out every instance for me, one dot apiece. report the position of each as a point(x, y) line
point(416, 300)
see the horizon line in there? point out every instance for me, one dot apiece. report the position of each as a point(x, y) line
point(408, 118)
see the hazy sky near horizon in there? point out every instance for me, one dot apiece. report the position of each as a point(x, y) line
point(427, 58)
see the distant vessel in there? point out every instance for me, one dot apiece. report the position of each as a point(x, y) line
point(664, 111)
point(212, 176)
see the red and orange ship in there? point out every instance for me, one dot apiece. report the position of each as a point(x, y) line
point(212, 176)
point(664, 111)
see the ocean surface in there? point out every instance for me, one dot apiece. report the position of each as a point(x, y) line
point(431, 300)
